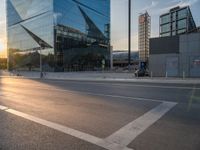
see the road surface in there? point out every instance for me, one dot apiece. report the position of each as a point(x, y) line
point(77, 115)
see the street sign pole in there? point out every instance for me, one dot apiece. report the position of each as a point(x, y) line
point(41, 62)
point(41, 47)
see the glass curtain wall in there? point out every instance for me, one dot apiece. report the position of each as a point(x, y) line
point(82, 34)
point(177, 21)
point(67, 34)
point(30, 34)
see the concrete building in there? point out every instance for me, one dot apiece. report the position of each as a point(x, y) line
point(177, 56)
point(177, 21)
point(144, 35)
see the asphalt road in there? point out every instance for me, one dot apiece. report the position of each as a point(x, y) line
point(77, 115)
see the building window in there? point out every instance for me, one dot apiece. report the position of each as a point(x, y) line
point(165, 19)
point(182, 24)
point(174, 16)
point(173, 33)
point(165, 28)
point(181, 31)
point(174, 26)
point(165, 34)
point(182, 13)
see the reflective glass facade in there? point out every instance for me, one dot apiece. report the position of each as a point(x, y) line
point(69, 34)
point(165, 19)
point(177, 21)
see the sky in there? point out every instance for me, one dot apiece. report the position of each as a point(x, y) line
point(119, 19)
point(2, 28)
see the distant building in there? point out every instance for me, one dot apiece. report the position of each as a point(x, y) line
point(144, 35)
point(120, 58)
point(123, 55)
point(177, 21)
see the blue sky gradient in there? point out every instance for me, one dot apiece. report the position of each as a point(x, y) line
point(119, 19)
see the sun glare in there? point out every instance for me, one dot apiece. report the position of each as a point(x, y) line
point(1, 47)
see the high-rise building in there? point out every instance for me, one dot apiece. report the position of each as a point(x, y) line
point(144, 35)
point(67, 34)
point(177, 21)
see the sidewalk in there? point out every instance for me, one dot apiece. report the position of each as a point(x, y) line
point(101, 77)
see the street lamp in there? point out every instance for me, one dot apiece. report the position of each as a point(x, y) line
point(41, 48)
point(129, 35)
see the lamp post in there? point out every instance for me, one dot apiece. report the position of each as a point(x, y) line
point(41, 63)
point(129, 35)
point(41, 48)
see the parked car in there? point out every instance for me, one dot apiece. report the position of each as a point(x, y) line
point(141, 73)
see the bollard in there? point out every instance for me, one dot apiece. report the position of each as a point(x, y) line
point(166, 75)
point(183, 74)
point(151, 74)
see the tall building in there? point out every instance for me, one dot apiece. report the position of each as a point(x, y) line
point(67, 34)
point(144, 35)
point(177, 21)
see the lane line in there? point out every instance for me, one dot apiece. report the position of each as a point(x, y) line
point(69, 131)
point(123, 97)
point(130, 85)
point(3, 107)
point(128, 133)
point(55, 126)
point(135, 85)
point(118, 140)
point(157, 86)
point(103, 95)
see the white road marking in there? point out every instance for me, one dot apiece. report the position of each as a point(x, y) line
point(128, 133)
point(118, 140)
point(69, 131)
point(127, 85)
point(156, 86)
point(3, 107)
point(55, 126)
point(102, 95)
point(113, 96)
point(131, 85)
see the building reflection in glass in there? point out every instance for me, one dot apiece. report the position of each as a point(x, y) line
point(73, 34)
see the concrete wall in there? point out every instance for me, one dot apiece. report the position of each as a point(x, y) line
point(189, 52)
point(188, 56)
point(158, 63)
point(164, 45)
point(74, 75)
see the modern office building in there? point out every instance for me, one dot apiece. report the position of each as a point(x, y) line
point(144, 35)
point(67, 34)
point(177, 21)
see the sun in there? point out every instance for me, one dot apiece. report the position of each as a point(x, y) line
point(1, 47)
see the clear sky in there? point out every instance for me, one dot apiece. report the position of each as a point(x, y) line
point(119, 26)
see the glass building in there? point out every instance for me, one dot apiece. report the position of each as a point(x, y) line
point(177, 21)
point(67, 34)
